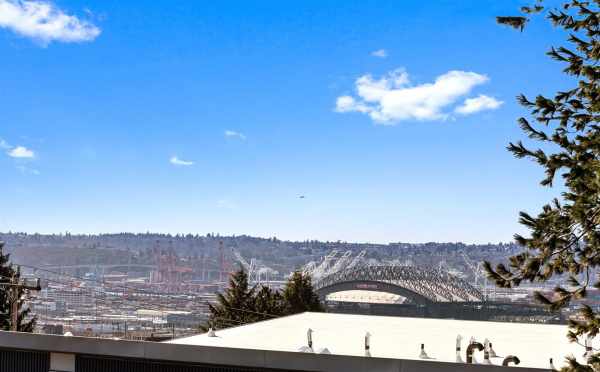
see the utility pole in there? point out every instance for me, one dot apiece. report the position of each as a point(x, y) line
point(15, 287)
point(222, 261)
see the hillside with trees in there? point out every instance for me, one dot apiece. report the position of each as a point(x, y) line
point(283, 256)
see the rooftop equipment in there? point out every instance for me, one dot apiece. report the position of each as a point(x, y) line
point(423, 354)
point(323, 350)
point(491, 351)
point(510, 359)
point(473, 345)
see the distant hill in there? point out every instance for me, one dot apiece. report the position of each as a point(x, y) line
point(195, 250)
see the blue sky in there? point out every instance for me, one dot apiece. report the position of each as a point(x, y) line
point(215, 117)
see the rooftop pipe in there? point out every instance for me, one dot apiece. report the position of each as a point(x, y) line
point(473, 345)
point(367, 344)
point(423, 354)
point(510, 359)
point(492, 352)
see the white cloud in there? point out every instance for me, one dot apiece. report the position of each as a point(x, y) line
point(179, 162)
point(21, 152)
point(42, 21)
point(232, 133)
point(380, 53)
point(393, 98)
point(479, 103)
point(4, 145)
point(346, 104)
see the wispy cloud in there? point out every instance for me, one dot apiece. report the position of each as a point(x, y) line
point(179, 162)
point(392, 98)
point(234, 134)
point(44, 22)
point(479, 103)
point(4, 145)
point(21, 152)
point(26, 170)
point(380, 53)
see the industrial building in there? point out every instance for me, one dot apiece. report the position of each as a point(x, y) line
point(306, 342)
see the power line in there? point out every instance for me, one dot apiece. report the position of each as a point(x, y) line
point(230, 321)
point(250, 311)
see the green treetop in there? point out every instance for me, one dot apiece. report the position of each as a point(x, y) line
point(564, 237)
point(8, 274)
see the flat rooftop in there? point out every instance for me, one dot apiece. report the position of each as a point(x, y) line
point(399, 338)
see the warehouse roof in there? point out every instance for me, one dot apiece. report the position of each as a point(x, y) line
point(398, 338)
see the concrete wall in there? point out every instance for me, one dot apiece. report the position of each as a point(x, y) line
point(64, 349)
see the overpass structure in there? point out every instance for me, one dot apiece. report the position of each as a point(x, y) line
point(421, 286)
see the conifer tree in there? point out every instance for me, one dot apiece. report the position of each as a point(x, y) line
point(564, 237)
point(299, 295)
point(268, 303)
point(8, 273)
point(241, 303)
point(236, 305)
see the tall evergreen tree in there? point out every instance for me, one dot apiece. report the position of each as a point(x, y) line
point(241, 304)
point(564, 238)
point(268, 304)
point(8, 274)
point(236, 305)
point(299, 295)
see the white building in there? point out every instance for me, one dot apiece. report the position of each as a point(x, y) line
point(274, 346)
point(400, 338)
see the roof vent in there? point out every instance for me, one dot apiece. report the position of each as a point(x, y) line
point(510, 359)
point(473, 345)
point(492, 352)
point(309, 337)
point(486, 352)
point(486, 356)
point(211, 333)
point(305, 349)
point(423, 354)
point(458, 342)
point(323, 350)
